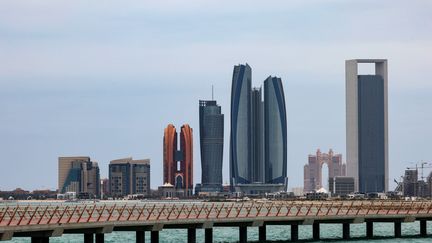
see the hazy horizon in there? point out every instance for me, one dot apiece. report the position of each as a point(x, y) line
point(104, 80)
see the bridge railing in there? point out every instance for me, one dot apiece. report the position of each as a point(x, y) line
point(25, 215)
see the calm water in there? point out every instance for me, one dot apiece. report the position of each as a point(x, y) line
point(330, 232)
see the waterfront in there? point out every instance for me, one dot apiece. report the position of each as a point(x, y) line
point(383, 232)
point(329, 232)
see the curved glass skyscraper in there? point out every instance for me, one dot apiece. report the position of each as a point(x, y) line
point(258, 142)
point(240, 139)
point(275, 131)
point(211, 144)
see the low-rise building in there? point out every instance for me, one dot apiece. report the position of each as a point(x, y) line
point(341, 185)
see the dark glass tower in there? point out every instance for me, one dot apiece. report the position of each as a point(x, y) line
point(275, 131)
point(240, 139)
point(367, 126)
point(258, 146)
point(258, 166)
point(211, 140)
point(371, 133)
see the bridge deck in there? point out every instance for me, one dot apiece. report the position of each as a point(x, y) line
point(76, 217)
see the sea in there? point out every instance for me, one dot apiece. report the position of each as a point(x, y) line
point(383, 233)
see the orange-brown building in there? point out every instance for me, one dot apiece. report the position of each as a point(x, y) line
point(178, 164)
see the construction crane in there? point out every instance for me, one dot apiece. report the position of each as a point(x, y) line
point(423, 165)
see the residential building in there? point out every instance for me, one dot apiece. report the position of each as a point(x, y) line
point(128, 176)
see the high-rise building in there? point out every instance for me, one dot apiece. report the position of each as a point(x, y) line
point(275, 131)
point(366, 124)
point(211, 143)
point(178, 164)
point(313, 169)
point(78, 174)
point(241, 134)
point(258, 141)
point(257, 169)
point(128, 176)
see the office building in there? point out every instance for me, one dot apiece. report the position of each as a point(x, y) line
point(313, 169)
point(128, 176)
point(78, 174)
point(341, 185)
point(241, 134)
point(275, 131)
point(211, 144)
point(367, 126)
point(178, 164)
point(258, 139)
point(257, 169)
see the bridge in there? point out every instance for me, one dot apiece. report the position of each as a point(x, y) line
point(40, 221)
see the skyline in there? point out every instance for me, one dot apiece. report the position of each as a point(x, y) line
point(79, 92)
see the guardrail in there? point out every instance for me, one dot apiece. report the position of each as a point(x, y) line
point(27, 215)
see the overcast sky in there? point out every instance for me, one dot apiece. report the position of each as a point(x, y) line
point(103, 78)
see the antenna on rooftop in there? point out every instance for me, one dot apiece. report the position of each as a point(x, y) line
point(212, 93)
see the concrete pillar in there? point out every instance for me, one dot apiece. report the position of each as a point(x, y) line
point(397, 229)
point(369, 229)
point(316, 231)
point(423, 227)
point(40, 240)
point(208, 235)
point(262, 233)
point(294, 232)
point(346, 231)
point(191, 235)
point(88, 238)
point(243, 234)
point(100, 238)
point(154, 235)
point(140, 236)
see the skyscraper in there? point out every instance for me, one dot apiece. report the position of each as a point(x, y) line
point(257, 169)
point(178, 164)
point(275, 131)
point(258, 142)
point(128, 176)
point(366, 124)
point(211, 144)
point(78, 174)
point(240, 138)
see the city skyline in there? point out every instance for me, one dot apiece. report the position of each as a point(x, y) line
point(81, 81)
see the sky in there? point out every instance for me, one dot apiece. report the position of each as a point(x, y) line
point(103, 78)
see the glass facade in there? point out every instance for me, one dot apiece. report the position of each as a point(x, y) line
point(211, 141)
point(240, 144)
point(258, 146)
point(371, 133)
point(275, 131)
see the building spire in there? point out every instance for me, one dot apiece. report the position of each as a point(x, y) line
point(212, 93)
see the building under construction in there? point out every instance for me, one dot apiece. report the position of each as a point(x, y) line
point(413, 186)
